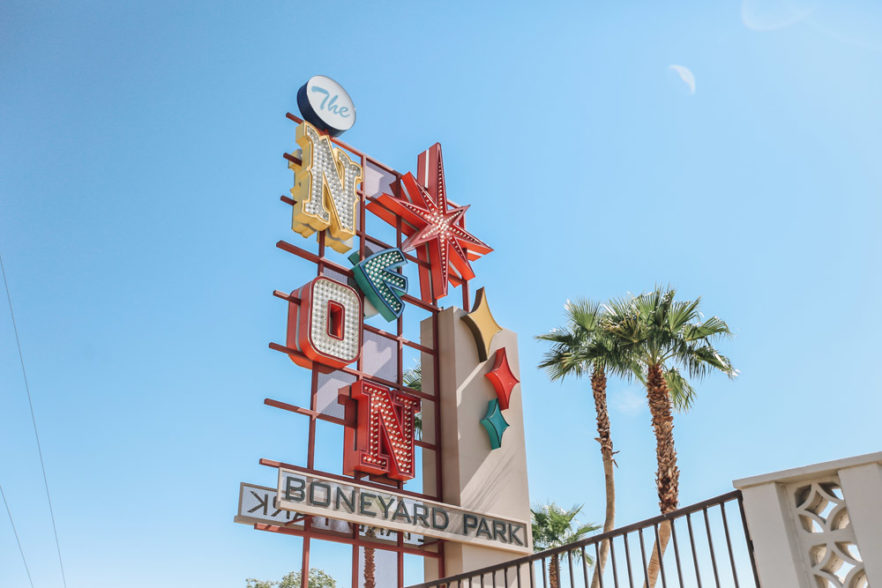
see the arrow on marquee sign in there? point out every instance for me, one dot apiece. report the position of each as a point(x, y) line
point(381, 284)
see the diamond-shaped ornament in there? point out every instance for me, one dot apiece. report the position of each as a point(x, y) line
point(482, 324)
point(502, 378)
point(495, 424)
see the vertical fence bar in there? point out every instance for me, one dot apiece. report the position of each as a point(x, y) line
point(694, 556)
point(628, 559)
point(585, 563)
point(710, 543)
point(598, 572)
point(612, 559)
point(677, 553)
point(643, 557)
point(661, 563)
point(729, 545)
point(570, 566)
point(749, 540)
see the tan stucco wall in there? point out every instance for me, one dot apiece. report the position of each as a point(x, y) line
point(475, 477)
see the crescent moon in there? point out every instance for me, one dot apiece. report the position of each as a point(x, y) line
point(686, 75)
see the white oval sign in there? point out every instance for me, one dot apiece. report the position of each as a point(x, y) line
point(329, 104)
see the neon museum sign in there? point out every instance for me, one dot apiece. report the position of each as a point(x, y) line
point(325, 330)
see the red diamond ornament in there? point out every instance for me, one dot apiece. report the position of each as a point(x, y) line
point(502, 378)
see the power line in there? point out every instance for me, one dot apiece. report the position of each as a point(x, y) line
point(14, 532)
point(33, 420)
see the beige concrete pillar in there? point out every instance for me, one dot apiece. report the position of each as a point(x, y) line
point(475, 476)
point(862, 487)
point(777, 561)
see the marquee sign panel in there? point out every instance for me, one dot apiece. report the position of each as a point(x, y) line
point(257, 506)
point(317, 495)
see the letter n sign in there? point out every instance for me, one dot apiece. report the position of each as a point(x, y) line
point(325, 326)
point(381, 442)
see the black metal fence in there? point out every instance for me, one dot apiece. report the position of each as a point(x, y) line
point(703, 546)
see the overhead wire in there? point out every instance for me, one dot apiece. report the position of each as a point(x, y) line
point(33, 421)
point(17, 540)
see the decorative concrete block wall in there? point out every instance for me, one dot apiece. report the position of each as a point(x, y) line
point(817, 526)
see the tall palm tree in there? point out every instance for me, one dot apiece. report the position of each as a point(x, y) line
point(413, 378)
point(580, 348)
point(553, 527)
point(666, 336)
point(370, 566)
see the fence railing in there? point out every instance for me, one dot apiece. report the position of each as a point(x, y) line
point(704, 545)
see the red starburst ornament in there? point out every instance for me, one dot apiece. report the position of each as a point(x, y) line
point(433, 227)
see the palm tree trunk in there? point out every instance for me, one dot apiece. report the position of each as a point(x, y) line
point(554, 572)
point(370, 567)
point(598, 387)
point(667, 477)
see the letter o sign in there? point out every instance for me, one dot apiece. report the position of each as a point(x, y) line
point(326, 325)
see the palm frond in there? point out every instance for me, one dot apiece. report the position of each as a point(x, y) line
point(553, 526)
point(654, 328)
point(682, 392)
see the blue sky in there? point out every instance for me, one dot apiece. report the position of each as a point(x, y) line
point(141, 169)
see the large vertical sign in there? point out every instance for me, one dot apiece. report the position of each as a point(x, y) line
point(382, 442)
point(327, 334)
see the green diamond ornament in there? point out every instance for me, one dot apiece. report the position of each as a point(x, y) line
point(495, 424)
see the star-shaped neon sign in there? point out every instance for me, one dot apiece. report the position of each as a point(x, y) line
point(435, 228)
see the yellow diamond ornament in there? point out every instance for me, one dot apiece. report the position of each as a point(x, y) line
point(482, 324)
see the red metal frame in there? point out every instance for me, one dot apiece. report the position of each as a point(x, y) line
point(431, 549)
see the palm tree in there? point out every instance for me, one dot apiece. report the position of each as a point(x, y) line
point(579, 348)
point(370, 566)
point(413, 378)
point(553, 527)
point(664, 336)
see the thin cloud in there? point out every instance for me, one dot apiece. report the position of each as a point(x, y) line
point(771, 15)
point(630, 402)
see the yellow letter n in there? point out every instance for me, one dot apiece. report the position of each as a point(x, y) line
point(325, 190)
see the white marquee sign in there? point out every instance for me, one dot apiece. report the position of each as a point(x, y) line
point(354, 503)
point(257, 506)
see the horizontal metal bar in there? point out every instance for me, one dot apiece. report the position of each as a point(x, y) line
point(371, 328)
point(373, 240)
point(360, 374)
point(310, 256)
point(339, 143)
point(316, 533)
point(331, 419)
